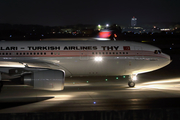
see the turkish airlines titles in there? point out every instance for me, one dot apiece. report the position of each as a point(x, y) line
point(64, 48)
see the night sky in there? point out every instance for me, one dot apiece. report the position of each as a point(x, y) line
point(70, 12)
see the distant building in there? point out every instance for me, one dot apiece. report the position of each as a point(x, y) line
point(135, 30)
point(133, 21)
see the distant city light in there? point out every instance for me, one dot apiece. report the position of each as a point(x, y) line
point(10, 36)
point(165, 29)
point(107, 25)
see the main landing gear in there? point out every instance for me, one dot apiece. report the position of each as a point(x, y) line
point(1, 85)
point(132, 80)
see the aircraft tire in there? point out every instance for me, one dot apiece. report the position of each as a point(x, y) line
point(131, 84)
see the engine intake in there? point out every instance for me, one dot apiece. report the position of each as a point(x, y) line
point(46, 79)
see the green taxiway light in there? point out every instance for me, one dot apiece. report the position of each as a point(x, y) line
point(106, 79)
point(87, 81)
point(117, 78)
point(124, 76)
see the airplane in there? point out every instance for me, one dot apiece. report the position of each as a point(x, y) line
point(45, 64)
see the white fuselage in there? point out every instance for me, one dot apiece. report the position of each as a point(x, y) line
point(87, 58)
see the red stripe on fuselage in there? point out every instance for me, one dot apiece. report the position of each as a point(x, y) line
point(81, 53)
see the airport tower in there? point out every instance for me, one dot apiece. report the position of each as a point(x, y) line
point(133, 21)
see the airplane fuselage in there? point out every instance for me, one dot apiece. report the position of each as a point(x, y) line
point(87, 58)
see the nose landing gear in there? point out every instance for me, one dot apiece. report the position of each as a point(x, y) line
point(132, 80)
point(131, 84)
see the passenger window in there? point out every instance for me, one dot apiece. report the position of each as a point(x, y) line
point(159, 51)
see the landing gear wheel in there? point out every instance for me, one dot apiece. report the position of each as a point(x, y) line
point(131, 84)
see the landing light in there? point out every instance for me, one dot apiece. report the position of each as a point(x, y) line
point(98, 58)
point(134, 77)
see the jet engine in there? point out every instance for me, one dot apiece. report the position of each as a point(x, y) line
point(45, 79)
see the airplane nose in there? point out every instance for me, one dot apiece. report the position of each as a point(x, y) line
point(168, 57)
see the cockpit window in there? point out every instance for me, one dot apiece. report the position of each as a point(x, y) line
point(157, 52)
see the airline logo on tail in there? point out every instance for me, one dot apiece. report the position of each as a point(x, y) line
point(104, 35)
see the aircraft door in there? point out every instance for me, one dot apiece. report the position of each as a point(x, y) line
point(84, 56)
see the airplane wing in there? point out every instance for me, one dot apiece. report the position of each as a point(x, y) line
point(11, 64)
point(44, 64)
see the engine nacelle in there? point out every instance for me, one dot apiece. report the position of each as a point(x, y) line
point(46, 79)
